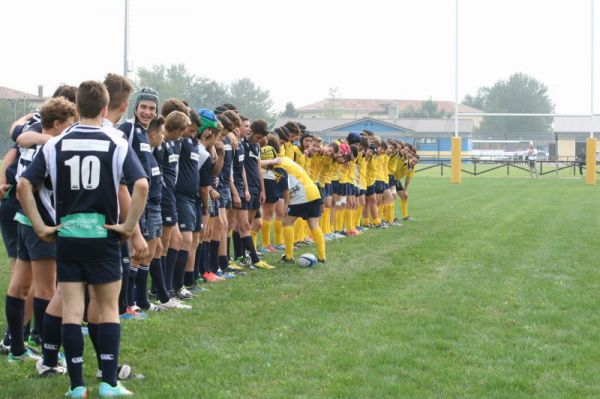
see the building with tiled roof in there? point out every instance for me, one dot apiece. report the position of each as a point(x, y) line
point(6, 93)
point(374, 108)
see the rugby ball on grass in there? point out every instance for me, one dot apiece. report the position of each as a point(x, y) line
point(306, 260)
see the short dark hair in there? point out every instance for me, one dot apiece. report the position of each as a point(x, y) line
point(259, 127)
point(233, 117)
point(274, 142)
point(226, 122)
point(173, 104)
point(177, 120)
point(67, 91)
point(194, 117)
point(156, 123)
point(92, 98)
point(292, 128)
point(283, 133)
point(57, 109)
point(119, 89)
point(244, 118)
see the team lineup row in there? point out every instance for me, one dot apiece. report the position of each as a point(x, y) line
point(105, 205)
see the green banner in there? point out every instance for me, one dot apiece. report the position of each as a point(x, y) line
point(83, 225)
point(20, 218)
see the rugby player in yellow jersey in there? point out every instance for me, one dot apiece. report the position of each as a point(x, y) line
point(346, 195)
point(360, 179)
point(392, 166)
point(407, 171)
point(302, 200)
point(382, 189)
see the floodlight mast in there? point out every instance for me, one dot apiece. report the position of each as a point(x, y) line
point(456, 146)
point(591, 143)
point(126, 39)
point(592, 75)
point(456, 71)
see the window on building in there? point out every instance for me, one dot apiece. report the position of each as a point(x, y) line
point(427, 140)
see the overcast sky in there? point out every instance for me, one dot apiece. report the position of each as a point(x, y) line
point(401, 49)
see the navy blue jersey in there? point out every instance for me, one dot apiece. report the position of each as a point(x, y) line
point(238, 169)
point(35, 119)
point(42, 193)
point(138, 140)
point(156, 181)
point(86, 165)
point(169, 163)
point(225, 176)
point(252, 166)
point(206, 165)
point(188, 178)
point(11, 170)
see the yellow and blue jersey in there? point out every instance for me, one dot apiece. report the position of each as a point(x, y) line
point(302, 188)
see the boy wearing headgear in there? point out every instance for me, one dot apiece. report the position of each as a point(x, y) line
point(136, 132)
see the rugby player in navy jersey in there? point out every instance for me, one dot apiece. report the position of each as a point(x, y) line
point(187, 188)
point(172, 128)
point(228, 195)
point(170, 150)
point(86, 165)
point(211, 158)
point(35, 267)
point(250, 139)
point(145, 110)
point(28, 125)
point(211, 238)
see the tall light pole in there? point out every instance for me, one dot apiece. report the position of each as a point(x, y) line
point(455, 149)
point(590, 149)
point(126, 43)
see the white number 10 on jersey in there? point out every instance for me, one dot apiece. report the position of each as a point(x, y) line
point(86, 173)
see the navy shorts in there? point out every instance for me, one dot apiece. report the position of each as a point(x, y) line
point(335, 186)
point(379, 187)
point(186, 212)
point(307, 210)
point(168, 210)
point(253, 204)
point(199, 226)
point(272, 192)
point(399, 186)
point(101, 272)
point(213, 208)
point(151, 221)
point(10, 228)
point(225, 198)
point(391, 181)
point(370, 190)
point(327, 190)
point(30, 247)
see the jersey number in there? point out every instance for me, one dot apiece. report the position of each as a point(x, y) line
point(87, 172)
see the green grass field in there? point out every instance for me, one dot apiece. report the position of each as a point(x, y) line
point(494, 292)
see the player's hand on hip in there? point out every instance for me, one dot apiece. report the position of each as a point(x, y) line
point(47, 233)
point(120, 229)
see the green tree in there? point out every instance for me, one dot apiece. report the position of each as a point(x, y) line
point(175, 81)
point(251, 100)
point(521, 93)
point(290, 111)
point(428, 109)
